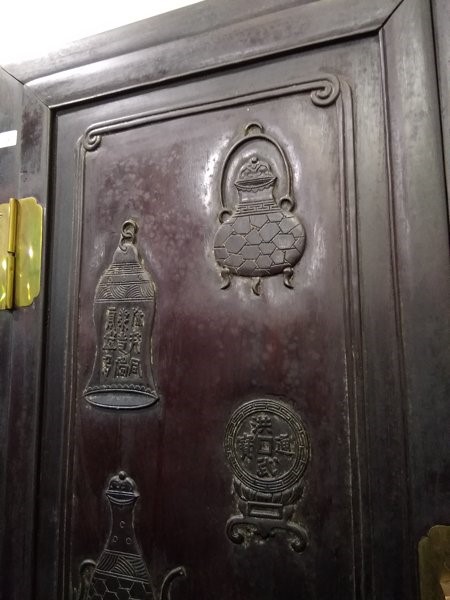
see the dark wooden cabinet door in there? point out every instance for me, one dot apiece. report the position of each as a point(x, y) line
point(232, 382)
point(214, 348)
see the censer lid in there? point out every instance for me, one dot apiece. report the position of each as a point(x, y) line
point(255, 174)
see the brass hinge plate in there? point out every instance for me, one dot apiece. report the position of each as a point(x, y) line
point(20, 252)
point(434, 564)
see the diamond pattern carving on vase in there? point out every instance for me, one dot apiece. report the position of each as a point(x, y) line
point(124, 307)
point(259, 235)
point(121, 573)
point(268, 451)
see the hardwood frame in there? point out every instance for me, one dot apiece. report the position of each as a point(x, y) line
point(198, 40)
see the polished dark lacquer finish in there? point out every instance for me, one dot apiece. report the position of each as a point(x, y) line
point(243, 323)
point(213, 348)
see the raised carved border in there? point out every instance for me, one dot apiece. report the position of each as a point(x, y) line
point(326, 91)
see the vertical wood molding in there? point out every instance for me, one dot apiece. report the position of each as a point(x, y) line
point(421, 248)
point(21, 342)
point(10, 119)
point(441, 18)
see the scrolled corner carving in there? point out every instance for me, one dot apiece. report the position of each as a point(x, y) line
point(268, 451)
point(326, 92)
point(91, 140)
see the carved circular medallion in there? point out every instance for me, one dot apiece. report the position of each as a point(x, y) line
point(267, 446)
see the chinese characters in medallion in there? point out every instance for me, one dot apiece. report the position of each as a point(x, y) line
point(268, 451)
point(259, 235)
point(124, 307)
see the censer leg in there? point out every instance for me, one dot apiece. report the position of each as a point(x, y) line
point(256, 285)
point(288, 274)
point(226, 277)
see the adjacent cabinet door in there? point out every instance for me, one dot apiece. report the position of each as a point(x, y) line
point(246, 293)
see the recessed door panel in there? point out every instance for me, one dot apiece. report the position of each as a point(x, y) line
point(215, 347)
point(214, 380)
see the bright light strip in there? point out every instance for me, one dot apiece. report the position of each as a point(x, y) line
point(31, 29)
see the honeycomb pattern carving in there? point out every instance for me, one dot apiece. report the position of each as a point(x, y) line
point(110, 587)
point(260, 245)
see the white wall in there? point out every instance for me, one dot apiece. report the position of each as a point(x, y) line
point(31, 28)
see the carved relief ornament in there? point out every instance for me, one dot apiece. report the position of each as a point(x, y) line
point(124, 307)
point(121, 573)
point(259, 236)
point(268, 451)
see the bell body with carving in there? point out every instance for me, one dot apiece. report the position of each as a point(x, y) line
point(121, 573)
point(124, 308)
point(259, 238)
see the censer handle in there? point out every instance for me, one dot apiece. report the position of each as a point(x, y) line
point(168, 580)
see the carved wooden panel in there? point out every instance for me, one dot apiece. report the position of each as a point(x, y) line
point(174, 173)
point(278, 503)
point(277, 322)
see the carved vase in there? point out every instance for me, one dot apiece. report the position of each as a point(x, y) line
point(121, 573)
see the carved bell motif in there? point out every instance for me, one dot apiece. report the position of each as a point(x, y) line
point(124, 307)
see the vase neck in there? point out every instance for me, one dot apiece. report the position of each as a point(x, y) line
point(122, 537)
